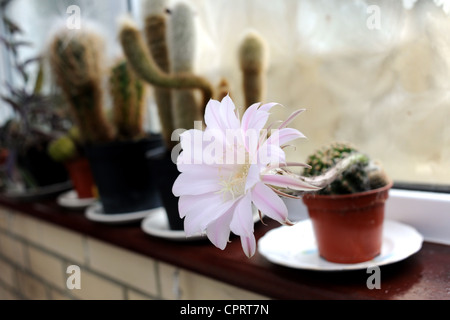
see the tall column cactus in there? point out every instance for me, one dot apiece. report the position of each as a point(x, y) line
point(75, 57)
point(145, 66)
point(128, 95)
point(155, 29)
point(253, 61)
point(182, 42)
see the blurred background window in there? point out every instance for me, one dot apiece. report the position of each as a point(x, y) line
point(373, 73)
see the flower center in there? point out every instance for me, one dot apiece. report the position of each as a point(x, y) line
point(234, 186)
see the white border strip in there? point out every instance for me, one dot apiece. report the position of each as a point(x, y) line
point(428, 212)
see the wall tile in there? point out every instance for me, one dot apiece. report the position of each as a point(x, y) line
point(63, 242)
point(94, 287)
point(31, 288)
point(192, 286)
point(135, 270)
point(47, 267)
point(8, 274)
point(12, 249)
point(133, 295)
point(4, 218)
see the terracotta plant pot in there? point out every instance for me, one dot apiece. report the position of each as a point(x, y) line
point(81, 175)
point(348, 228)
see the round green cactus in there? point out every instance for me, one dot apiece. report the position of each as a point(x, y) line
point(362, 175)
point(63, 149)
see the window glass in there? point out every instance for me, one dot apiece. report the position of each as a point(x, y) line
point(374, 73)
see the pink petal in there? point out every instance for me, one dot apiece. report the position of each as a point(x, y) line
point(242, 222)
point(253, 176)
point(218, 231)
point(267, 107)
point(249, 245)
point(254, 119)
point(271, 154)
point(269, 203)
point(288, 182)
point(192, 143)
point(291, 118)
point(248, 115)
point(191, 184)
point(228, 116)
point(280, 137)
point(199, 217)
point(212, 115)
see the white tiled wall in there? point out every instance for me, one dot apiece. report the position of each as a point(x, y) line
point(34, 256)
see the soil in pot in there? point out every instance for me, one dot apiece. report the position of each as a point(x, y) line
point(81, 175)
point(122, 174)
point(348, 228)
point(165, 172)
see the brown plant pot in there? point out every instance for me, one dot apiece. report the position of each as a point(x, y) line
point(348, 228)
point(81, 175)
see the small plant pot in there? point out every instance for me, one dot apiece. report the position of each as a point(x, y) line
point(81, 175)
point(39, 169)
point(122, 174)
point(348, 228)
point(166, 172)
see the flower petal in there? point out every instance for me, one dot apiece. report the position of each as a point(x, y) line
point(268, 106)
point(199, 217)
point(242, 222)
point(254, 119)
point(253, 176)
point(249, 245)
point(212, 115)
point(191, 184)
point(291, 118)
point(269, 203)
point(218, 231)
point(248, 115)
point(280, 137)
point(228, 116)
point(271, 154)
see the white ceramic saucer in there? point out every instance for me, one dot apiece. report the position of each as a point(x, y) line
point(296, 247)
point(157, 225)
point(70, 200)
point(95, 213)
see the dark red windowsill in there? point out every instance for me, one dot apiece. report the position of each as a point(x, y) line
point(425, 275)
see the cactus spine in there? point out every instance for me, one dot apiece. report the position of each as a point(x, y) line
point(75, 58)
point(253, 61)
point(182, 44)
point(362, 175)
point(128, 95)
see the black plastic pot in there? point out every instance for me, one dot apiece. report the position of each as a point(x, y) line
point(123, 175)
point(165, 173)
point(39, 169)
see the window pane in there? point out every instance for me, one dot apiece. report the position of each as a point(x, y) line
point(376, 75)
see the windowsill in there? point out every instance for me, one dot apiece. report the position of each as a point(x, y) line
point(422, 276)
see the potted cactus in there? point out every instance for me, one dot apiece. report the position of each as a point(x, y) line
point(116, 148)
point(171, 73)
point(347, 214)
point(68, 150)
point(174, 82)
